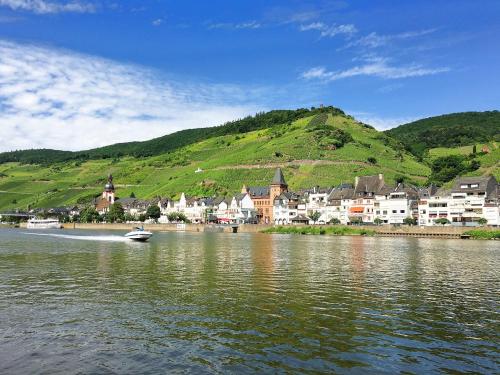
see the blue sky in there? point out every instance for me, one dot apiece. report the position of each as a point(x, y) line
point(79, 74)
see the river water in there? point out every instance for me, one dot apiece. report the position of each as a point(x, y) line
point(90, 302)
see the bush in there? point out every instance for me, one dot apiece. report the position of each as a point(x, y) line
point(372, 160)
point(442, 221)
point(410, 221)
point(482, 234)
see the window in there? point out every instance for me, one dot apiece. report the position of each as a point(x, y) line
point(378, 212)
point(394, 211)
point(402, 211)
point(384, 212)
point(474, 185)
point(463, 186)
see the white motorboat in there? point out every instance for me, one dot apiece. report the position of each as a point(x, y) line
point(43, 224)
point(139, 234)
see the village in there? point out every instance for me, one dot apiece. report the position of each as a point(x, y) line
point(472, 201)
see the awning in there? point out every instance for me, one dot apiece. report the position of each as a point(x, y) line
point(357, 210)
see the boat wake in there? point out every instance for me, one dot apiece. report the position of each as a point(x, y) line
point(83, 238)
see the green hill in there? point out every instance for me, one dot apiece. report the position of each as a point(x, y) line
point(314, 147)
point(170, 142)
point(449, 131)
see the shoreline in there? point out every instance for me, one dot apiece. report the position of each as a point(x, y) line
point(344, 230)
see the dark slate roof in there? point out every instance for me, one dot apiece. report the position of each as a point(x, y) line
point(208, 201)
point(427, 191)
point(487, 185)
point(290, 195)
point(258, 191)
point(126, 201)
point(278, 178)
point(410, 190)
point(369, 184)
point(239, 197)
point(218, 200)
point(346, 192)
point(318, 190)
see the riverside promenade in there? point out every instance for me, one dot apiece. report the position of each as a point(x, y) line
point(382, 230)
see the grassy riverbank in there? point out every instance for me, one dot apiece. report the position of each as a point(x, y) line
point(483, 234)
point(332, 231)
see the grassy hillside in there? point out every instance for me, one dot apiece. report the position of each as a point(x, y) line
point(449, 131)
point(170, 142)
point(313, 149)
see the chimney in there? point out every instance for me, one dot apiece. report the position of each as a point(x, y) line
point(381, 177)
point(356, 180)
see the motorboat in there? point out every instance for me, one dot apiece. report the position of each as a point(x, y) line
point(139, 234)
point(43, 224)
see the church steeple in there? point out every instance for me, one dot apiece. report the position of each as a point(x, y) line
point(278, 178)
point(278, 185)
point(109, 190)
point(109, 186)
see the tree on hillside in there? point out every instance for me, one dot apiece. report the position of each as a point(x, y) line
point(153, 212)
point(116, 213)
point(372, 160)
point(132, 195)
point(446, 168)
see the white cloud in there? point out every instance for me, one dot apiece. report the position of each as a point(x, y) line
point(232, 26)
point(44, 7)
point(330, 31)
point(374, 40)
point(380, 122)
point(376, 67)
point(59, 99)
point(157, 22)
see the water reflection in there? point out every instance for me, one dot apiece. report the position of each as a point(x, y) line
point(211, 302)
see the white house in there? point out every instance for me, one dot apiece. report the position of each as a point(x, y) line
point(470, 199)
point(395, 206)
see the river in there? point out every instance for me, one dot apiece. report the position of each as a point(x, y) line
point(90, 302)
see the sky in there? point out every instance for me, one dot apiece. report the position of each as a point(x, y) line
point(78, 74)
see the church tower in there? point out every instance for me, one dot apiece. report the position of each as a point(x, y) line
point(109, 191)
point(278, 186)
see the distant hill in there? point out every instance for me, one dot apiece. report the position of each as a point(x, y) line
point(452, 130)
point(168, 142)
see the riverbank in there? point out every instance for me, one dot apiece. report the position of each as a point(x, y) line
point(387, 231)
point(339, 230)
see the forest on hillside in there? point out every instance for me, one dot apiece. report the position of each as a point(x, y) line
point(452, 130)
